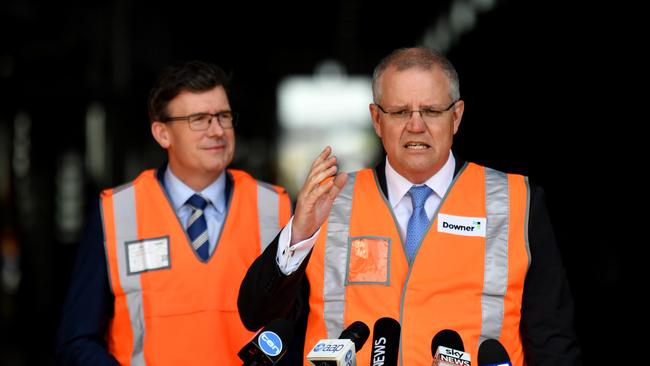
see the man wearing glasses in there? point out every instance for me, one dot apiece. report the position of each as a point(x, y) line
point(158, 269)
point(424, 238)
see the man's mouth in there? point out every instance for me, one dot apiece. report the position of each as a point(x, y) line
point(416, 145)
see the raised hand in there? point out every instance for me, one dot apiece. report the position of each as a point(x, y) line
point(316, 196)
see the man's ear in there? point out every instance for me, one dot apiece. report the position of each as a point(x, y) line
point(458, 110)
point(374, 114)
point(160, 133)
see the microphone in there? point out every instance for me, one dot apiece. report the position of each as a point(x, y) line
point(342, 351)
point(385, 342)
point(448, 349)
point(268, 345)
point(492, 353)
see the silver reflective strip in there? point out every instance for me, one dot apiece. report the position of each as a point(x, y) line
point(336, 251)
point(126, 229)
point(268, 211)
point(497, 203)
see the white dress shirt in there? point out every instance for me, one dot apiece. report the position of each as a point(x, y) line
point(289, 258)
point(214, 212)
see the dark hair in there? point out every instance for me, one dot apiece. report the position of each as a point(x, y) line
point(419, 57)
point(193, 76)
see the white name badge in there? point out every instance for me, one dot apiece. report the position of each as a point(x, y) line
point(147, 255)
point(462, 225)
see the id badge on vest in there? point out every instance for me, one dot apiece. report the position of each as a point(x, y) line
point(147, 255)
point(368, 258)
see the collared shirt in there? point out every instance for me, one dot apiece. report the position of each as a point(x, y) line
point(289, 258)
point(400, 198)
point(214, 212)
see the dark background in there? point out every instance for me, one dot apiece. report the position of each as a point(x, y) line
point(547, 86)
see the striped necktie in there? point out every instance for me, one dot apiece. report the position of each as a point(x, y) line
point(197, 227)
point(418, 222)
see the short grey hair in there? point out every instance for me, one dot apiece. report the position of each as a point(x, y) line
point(420, 57)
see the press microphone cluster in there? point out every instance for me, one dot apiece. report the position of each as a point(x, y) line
point(492, 353)
point(269, 344)
point(448, 349)
point(385, 342)
point(341, 351)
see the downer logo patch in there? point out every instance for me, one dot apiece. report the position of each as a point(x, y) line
point(462, 225)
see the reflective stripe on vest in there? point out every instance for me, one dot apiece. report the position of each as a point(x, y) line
point(126, 227)
point(336, 253)
point(496, 253)
point(267, 205)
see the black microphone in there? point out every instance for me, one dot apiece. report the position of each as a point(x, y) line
point(492, 353)
point(341, 351)
point(385, 342)
point(268, 345)
point(448, 350)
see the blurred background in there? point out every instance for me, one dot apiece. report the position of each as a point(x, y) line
point(545, 85)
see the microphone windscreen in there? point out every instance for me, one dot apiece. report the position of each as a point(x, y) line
point(447, 338)
point(387, 326)
point(385, 341)
point(492, 352)
point(357, 332)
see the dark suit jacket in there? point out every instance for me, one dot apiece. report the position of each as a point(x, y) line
point(547, 308)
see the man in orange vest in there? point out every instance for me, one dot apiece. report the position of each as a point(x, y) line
point(425, 238)
point(157, 272)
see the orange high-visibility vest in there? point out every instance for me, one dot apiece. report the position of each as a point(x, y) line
point(467, 274)
point(171, 308)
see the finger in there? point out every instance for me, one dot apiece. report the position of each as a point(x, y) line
point(322, 156)
point(320, 177)
point(321, 172)
point(338, 184)
point(318, 180)
point(331, 186)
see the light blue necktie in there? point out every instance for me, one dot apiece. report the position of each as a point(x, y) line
point(418, 222)
point(197, 227)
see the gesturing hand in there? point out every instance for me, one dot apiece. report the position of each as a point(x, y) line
point(316, 196)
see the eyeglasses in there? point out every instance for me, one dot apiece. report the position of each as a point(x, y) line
point(428, 114)
point(201, 121)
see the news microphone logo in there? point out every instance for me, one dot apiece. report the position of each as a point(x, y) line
point(333, 352)
point(448, 349)
point(266, 347)
point(448, 356)
point(385, 342)
point(270, 343)
point(341, 351)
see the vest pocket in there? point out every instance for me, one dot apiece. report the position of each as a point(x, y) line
point(368, 258)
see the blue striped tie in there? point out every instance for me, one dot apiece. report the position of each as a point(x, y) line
point(418, 222)
point(197, 228)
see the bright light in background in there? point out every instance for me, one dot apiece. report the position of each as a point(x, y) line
point(328, 108)
point(448, 28)
point(96, 142)
point(69, 194)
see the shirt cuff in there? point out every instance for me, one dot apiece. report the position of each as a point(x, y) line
point(288, 257)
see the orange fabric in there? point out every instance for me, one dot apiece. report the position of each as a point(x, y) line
point(190, 309)
point(120, 326)
point(444, 286)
